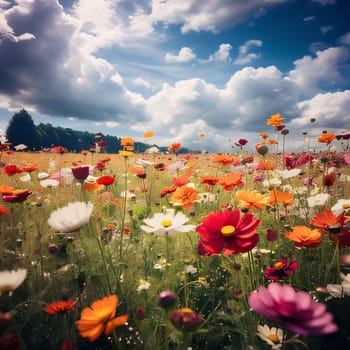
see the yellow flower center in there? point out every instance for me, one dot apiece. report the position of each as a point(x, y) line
point(279, 265)
point(186, 310)
point(274, 338)
point(166, 223)
point(346, 206)
point(228, 230)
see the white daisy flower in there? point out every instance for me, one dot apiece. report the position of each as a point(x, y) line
point(168, 223)
point(49, 183)
point(318, 200)
point(144, 285)
point(287, 174)
point(11, 280)
point(339, 207)
point(272, 336)
point(71, 217)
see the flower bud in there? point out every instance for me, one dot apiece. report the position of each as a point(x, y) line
point(167, 299)
point(186, 320)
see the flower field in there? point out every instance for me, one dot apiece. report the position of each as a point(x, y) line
point(176, 251)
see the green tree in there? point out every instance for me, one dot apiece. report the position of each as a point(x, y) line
point(21, 130)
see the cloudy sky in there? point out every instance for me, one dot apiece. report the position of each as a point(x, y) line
point(178, 67)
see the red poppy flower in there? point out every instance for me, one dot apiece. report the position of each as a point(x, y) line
point(241, 142)
point(106, 180)
point(12, 169)
point(228, 233)
point(29, 169)
point(81, 172)
point(281, 268)
point(60, 306)
point(209, 180)
point(16, 196)
point(59, 149)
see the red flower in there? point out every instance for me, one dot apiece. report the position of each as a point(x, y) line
point(16, 196)
point(60, 306)
point(186, 320)
point(105, 180)
point(167, 190)
point(59, 149)
point(329, 180)
point(181, 180)
point(281, 268)
point(209, 180)
point(228, 233)
point(81, 172)
point(241, 142)
point(101, 166)
point(4, 210)
point(12, 169)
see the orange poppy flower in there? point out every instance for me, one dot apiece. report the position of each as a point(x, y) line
point(284, 198)
point(272, 142)
point(137, 170)
point(175, 147)
point(100, 318)
point(209, 180)
point(181, 180)
point(4, 210)
point(127, 143)
point(275, 120)
point(305, 237)
point(60, 306)
point(167, 190)
point(252, 199)
point(230, 181)
point(222, 159)
point(326, 138)
point(148, 134)
point(29, 168)
point(184, 196)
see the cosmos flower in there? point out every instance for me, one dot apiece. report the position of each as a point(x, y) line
point(305, 237)
point(60, 306)
point(327, 221)
point(209, 180)
point(184, 196)
point(100, 318)
point(81, 172)
point(287, 174)
point(167, 223)
point(281, 268)
point(11, 280)
point(272, 336)
point(71, 217)
point(16, 196)
point(186, 320)
point(228, 233)
point(284, 198)
point(340, 206)
point(181, 180)
point(294, 309)
point(252, 200)
point(317, 200)
point(222, 159)
point(275, 120)
point(326, 137)
point(231, 180)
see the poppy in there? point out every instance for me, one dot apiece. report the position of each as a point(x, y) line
point(180, 180)
point(241, 142)
point(184, 196)
point(29, 169)
point(326, 138)
point(305, 237)
point(60, 306)
point(175, 147)
point(59, 149)
point(275, 120)
point(228, 233)
point(81, 172)
point(231, 180)
point(12, 169)
point(167, 190)
point(209, 180)
point(106, 180)
point(16, 196)
point(100, 318)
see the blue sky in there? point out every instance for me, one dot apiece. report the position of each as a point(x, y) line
point(178, 67)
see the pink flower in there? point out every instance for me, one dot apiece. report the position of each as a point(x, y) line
point(281, 268)
point(294, 309)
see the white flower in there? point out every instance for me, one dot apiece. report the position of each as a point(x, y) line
point(317, 200)
point(168, 223)
point(25, 178)
point(191, 269)
point(273, 182)
point(339, 207)
point(287, 174)
point(71, 217)
point(272, 336)
point(11, 280)
point(208, 197)
point(143, 162)
point(49, 183)
point(42, 175)
point(153, 150)
point(144, 285)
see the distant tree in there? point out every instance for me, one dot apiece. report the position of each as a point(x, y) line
point(21, 129)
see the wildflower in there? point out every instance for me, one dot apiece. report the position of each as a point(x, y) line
point(53, 248)
point(49, 183)
point(252, 199)
point(106, 180)
point(186, 320)
point(6, 189)
point(59, 149)
point(264, 135)
point(144, 163)
point(16, 196)
point(275, 120)
point(175, 147)
point(167, 299)
point(90, 185)
point(266, 165)
point(222, 159)
point(167, 190)
point(29, 168)
point(148, 134)
point(80, 172)
point(126, 153)
point(71, 217)
point(329, 180)
point(271, 235)
point(305, 237)
point(100, 318)
point(231, 180)
point(174, 167)
point(144, 285)
point(11, 280)
point(201, 134)
point(127, 143)
point(287, 174)
point(228, 233)
point(241, 143)
point(168, 223)
point(272, 336)
point(317, 200)
point(4, 210)
point(281, 268)
point(12, 169)
point(60, 306)
point(328, 221)
point(181, 180)
point(294, 309)
point(281, 197)
point(152, 150)
point(261, 148)
point(340, 206)
point(184, 196)
point(326, 138)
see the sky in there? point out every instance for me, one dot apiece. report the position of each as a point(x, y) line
point(178, 68)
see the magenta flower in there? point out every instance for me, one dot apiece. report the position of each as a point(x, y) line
point(294, 309)
point(281, 268)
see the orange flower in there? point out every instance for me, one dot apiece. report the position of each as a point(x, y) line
point(326, 138)
point(4, 210)
point(137, 170)
point(184, 196)
point(174, 147)
point(60, 306)
point(6, 189)
point(252, 200)
point(272, 142)
point(305, 237)
point(264, 135)
point(92, 186)
point(127, 143)
point(201, 134)
point(85, 152)
point(284, 198)
point(275, 120)
point(100, 318)
point(222, 159)
point(266, 165)
point(230, 181)
point(209, 180)
point(148, 134)
point(181, 180)
point(328, 221)
point(29, 168)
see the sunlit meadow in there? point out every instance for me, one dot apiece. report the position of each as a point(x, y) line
point(177, 251)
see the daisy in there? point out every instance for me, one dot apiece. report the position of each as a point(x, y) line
point(341, 206)
point(317, 200)
point(144, 285)
point(287, 174)
point(11, 280)
point(272, 336)
point(71, 217)
point(167, 223)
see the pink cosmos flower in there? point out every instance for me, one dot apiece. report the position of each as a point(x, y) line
point(294, 309)
point(281, 268)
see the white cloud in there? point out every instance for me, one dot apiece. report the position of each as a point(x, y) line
point(309, 18)
point(141, 82)
point(185, 55)
point(246, 57)
point(326, 29)
point(222, 54)
point(345, 39)
point(111, 124)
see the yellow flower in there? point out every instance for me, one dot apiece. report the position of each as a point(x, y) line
point(148, 134)
point(275, 120)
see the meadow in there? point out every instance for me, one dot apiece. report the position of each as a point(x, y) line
point(176, 251)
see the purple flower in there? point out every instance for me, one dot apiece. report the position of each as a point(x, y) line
point(167, 299)
point(294, 309)
point(186, 320)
